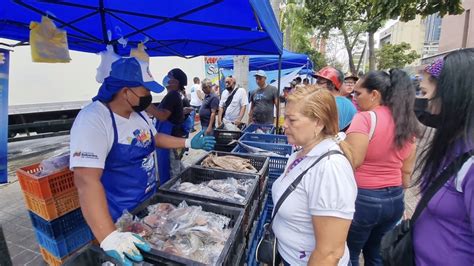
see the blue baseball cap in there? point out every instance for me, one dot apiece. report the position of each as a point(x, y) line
point(131, 69)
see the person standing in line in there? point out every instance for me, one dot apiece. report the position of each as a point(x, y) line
point(197, 96)
point(233, 103)
point(443, 234)
point(331, 79)
point(312, 224)
point(209, 107)
point(382, 138)
point(264, 100)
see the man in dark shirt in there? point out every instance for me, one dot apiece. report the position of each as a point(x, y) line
point(209, 107)
point(263, 100)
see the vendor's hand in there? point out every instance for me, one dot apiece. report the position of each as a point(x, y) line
point(124, 247)
point(203, 142)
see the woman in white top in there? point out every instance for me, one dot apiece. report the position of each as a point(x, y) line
point(312, 223)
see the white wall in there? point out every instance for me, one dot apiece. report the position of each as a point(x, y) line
point(32, 83)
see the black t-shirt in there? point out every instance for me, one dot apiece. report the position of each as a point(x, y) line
point(211, 102)
point(173, 103)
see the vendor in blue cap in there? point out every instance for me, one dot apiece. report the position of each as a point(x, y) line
point(113, 155)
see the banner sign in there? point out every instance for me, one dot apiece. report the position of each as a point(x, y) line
point(4, 65)
point(212, 71)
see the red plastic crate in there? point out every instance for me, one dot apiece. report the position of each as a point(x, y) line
point(47, 187)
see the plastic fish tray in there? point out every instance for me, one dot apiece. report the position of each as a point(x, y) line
point(89, 255)
point(52, 208)
point(257, 232)
point(225, 147)
point(253, 127)
point(225, 136)
point(276, 164)
point(267, 138)
point(47, 187)
point(231, 247)
point(65, 245)
point(259, 162)
point(199, 175)
point(59, 227)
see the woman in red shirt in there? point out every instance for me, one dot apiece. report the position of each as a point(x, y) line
point(382, 139)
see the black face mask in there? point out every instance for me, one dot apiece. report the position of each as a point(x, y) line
point(426, 118)
point(143, 103)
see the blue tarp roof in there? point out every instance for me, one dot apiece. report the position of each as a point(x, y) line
point(270, 62)
point(174, 28)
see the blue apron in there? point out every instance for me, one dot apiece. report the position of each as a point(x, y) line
point(130, 174)
point(164, 127)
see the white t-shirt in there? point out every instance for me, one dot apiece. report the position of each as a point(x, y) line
point(92, 134)
point(328, 189)
point(233, 110)
point(195, 101)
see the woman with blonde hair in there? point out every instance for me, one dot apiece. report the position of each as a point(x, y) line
point(312, 223)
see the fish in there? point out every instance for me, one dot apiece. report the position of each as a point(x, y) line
point(258, 151)
point(229, 162)
point(229, 189)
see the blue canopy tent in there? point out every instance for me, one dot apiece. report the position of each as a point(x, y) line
point(172, 28)
point(270, 62)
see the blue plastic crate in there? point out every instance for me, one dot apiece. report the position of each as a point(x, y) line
point(277, 164)
point(267, 138)
point(268, 129)
point(61, 226)
point(65, 245)
point(254, 238)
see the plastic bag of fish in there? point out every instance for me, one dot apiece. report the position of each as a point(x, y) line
point(229, 162)
point(229, 189)
point(184, 231)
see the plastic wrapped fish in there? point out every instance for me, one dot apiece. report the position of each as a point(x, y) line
point(230, 188)
point(258, 151)
point(185, 231)
point(229, 162)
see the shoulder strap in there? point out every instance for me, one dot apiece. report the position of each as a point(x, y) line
point(439, 182)
point(298, 180)
point(373, 123)
point(229, 100)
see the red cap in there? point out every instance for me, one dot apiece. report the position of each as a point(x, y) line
point(332, 74)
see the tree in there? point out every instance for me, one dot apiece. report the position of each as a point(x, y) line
point(395, 56)
point(325, 16)
point(372, 14)
point(297, 34)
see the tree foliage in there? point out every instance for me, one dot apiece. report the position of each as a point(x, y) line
point(372, 14)
point(395, 56)
point(297, 34)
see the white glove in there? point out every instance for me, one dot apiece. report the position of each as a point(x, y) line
point(123, 247)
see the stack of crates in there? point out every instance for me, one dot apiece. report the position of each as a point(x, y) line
point(55, 212)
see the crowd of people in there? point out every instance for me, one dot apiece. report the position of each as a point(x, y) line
point(345, 205)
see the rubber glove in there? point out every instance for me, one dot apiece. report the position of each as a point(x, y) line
point(203, 142)
point(123, 247)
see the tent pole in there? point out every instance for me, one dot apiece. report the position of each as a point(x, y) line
point(279, 91)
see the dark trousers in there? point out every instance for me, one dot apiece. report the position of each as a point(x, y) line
point(377, 212)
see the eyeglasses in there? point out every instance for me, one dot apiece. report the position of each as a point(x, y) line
point(349, 83)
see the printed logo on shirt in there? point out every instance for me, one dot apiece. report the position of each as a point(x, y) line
point(302, 254)
point(142, 138)
point(85, 155)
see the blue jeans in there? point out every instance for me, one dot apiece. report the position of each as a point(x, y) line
point(377, 212)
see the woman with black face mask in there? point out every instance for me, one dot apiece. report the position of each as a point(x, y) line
point(443, 234)
point(426, 106)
